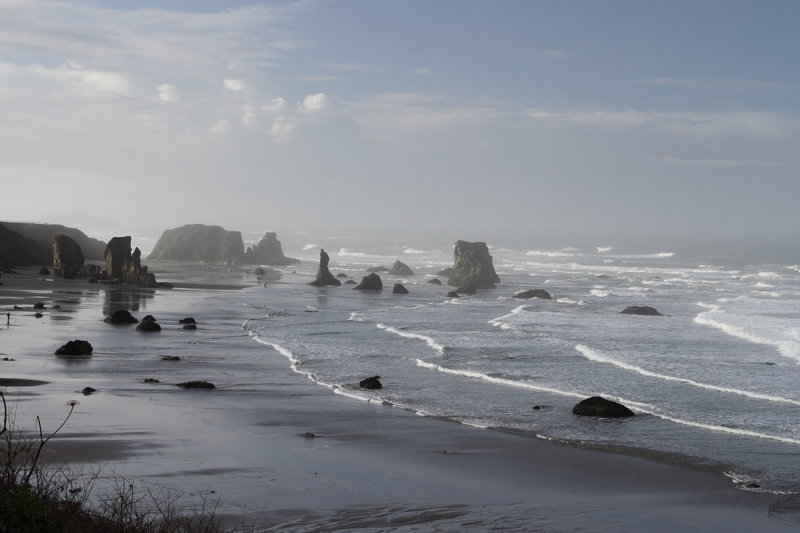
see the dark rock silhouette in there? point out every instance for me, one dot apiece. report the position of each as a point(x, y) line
point(67, 257)
point(399, 289)
point(400, 269)
point(452, 294)
point(88, 390)
point(39, 305)
point(350, 282)
point(190, 326)
point(341, 275)
point(597, 406)
point(472, 266)
point(187, 320)
point(268, 252)
point(18, 250)
point(124, 267)
point(435, 281)
point(640, 310)
point(42, 235)
point(121, 316)
point(171, 358)
point(198, 242)
point(446, 272)
point(371, 282)
point(196, 385)
point(534, 293)
point(76, 347)
point(44, 271)
point(324, 276)
point(148, 326)
point(371, 383)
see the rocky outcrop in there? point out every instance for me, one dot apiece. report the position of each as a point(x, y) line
point(399, 289)
point(67, 257)
point(400, 269)
point(43, 234)
point(76, 347)
point(435, 281)
point(534, 293)
point(124, 267)
point(324, 276)
point(371, 282)
point(640, 310)
point(17, 250)
point(371, 383)
point(121, 316)
point(198, 242)
point(597, 406)
point(446, 272)
point(472, 266)
point(268, 252)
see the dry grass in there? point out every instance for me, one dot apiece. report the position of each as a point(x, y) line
point(50, 499)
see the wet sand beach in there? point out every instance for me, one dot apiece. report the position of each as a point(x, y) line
point(275, 449)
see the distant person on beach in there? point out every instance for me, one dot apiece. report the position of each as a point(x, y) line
point(8, 319)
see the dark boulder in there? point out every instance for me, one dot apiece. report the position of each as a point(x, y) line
point(324, 276)
point(121, 316)
point(44, 271)
point(640, 310)
point(187, 320)
point(88, 390)
point(472, 266)
point(38, 315)
point(76, 347)
point(341, 275)
point(38, 305)
point(190, 326)
point(170, 358)
point(400, 269)
point(196, 385)
point(151, 380)
point(371, 383)
point(435, 281)
point(371, 282)
point(148, 326)
point(534, 293)
point(67, 257)
point(452, 294)
point(399, 289)
point(597, 406)
point(350, 282)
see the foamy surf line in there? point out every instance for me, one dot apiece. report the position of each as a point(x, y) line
point(595, 356)
point(501, 320)
point(430, 341)
point(788, 349)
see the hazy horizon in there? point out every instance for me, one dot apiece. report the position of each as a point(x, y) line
point(532, 124)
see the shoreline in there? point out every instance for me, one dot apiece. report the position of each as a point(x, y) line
point(368, 465)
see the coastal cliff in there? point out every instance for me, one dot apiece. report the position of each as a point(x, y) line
point(43, 234)
point(198, 242)
point(16, 250)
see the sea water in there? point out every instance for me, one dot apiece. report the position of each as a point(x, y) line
point(714, 382)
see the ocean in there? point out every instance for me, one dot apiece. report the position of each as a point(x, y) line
point(713, 382)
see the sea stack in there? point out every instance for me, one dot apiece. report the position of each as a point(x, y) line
point(472, 266)
point(198, 242)
point(400, 269)
point(67, 257)
point(324, 276)
point(124, 267)
point(268, 252)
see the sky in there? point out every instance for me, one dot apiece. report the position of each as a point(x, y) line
point(541, 123)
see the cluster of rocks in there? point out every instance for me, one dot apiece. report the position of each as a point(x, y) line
point(268, 252)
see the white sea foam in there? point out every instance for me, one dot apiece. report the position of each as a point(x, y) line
point(355, 316)
point(430, 341)
point(599, 293)
point(789, 348)
point(570, 301)
point(594, 355)
point(350, 253)
point(796, 268)
point(659, 255)
point(551, 254)
point(492, 379)
point(501, 321)
point(310, 246)
point(603, 249)
point(414, 251)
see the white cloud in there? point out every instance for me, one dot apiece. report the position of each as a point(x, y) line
point(276, 105)
point(249, 116)
point(423, 71)
point(314, 102)
point(282, 130)
point(219, 126)
point(234, 85)
point(168, 93)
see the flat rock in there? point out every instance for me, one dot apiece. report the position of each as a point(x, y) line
point(121, 316)
point(197, 385)
point(534, 293)
point(76, 347)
